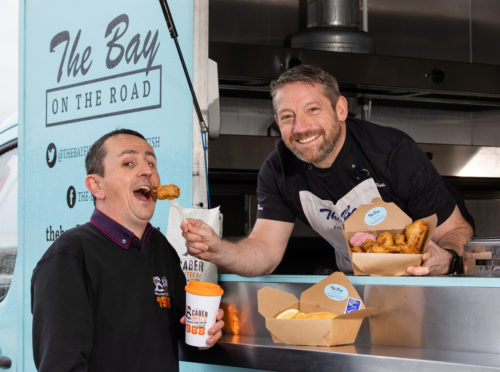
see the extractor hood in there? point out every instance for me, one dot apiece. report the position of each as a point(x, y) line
point(248, 69)
point(333, 25)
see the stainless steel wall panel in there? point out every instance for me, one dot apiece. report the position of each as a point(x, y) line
point(421, 29)
point(428, 125)
point(245, 116)
point(485, 212)
point(485, 127)
point(485, 31)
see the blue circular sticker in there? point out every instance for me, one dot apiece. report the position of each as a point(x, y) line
point(336, 292)
point(375, 215)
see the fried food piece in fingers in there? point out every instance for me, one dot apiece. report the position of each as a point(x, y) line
point(415, 235)
point(166, 192)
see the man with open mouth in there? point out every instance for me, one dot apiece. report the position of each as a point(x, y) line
point(109, 295)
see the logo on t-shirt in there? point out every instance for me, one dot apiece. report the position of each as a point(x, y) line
point(160, 290)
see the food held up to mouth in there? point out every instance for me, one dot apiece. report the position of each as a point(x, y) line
point(166, 192)
point(160, 192)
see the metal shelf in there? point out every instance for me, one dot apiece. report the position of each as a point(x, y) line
point(248, 69)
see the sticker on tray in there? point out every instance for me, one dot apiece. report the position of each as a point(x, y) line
point(336, 292)
point(353, 304)
point(375, 215)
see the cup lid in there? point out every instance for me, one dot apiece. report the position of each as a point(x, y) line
point(204, 288)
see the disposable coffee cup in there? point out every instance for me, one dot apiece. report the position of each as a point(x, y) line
point(202, 305)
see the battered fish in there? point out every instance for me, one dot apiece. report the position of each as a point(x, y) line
point(415, 235)
point(385, 240)
point(166, 192)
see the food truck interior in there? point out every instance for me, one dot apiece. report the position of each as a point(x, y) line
point(428, 68)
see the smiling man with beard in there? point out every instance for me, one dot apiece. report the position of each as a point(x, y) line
point(325, 166)
point(109, 295)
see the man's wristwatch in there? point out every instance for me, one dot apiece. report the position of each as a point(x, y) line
point(456, 262)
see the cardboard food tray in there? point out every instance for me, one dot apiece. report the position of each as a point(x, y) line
point(377, 218)
point(333, 294)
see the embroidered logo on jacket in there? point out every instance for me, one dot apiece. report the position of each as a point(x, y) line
point(161, 291)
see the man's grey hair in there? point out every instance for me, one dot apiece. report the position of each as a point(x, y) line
point(310, 75)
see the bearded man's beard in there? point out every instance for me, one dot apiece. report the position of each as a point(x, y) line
point(313, 157)
point(316, 155)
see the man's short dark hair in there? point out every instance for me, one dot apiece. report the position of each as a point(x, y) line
point(308, 74)
point(94, 161)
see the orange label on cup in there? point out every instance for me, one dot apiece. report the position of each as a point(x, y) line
point(195, 330)
point(204, 288)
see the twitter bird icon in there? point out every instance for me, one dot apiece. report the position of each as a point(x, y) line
point(51, 155)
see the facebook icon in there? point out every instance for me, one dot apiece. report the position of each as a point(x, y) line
point(71, 196)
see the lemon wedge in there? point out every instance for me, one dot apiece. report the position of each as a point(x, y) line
point(288, 314)
point(318, 315)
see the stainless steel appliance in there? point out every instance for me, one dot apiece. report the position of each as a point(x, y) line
point(482, 257)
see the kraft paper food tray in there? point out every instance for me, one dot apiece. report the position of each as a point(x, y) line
point(315, 332)
point(376, 218)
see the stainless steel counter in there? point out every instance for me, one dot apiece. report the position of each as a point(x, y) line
point(261, 353)
point(426, 327)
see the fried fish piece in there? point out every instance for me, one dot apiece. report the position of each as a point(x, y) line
point(166, 192)
point(399, 239)
point(393, 249)
point(367, 245)
point(405, 248)
point(385, 240)
point(357, 249)
point(415, 235)
point(375, 248)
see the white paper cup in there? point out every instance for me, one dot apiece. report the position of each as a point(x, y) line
point(202, 305)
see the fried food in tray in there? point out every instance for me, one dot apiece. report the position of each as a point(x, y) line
point(410, 241)
point(166, 192)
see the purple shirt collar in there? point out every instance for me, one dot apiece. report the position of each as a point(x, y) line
point(118, 233)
